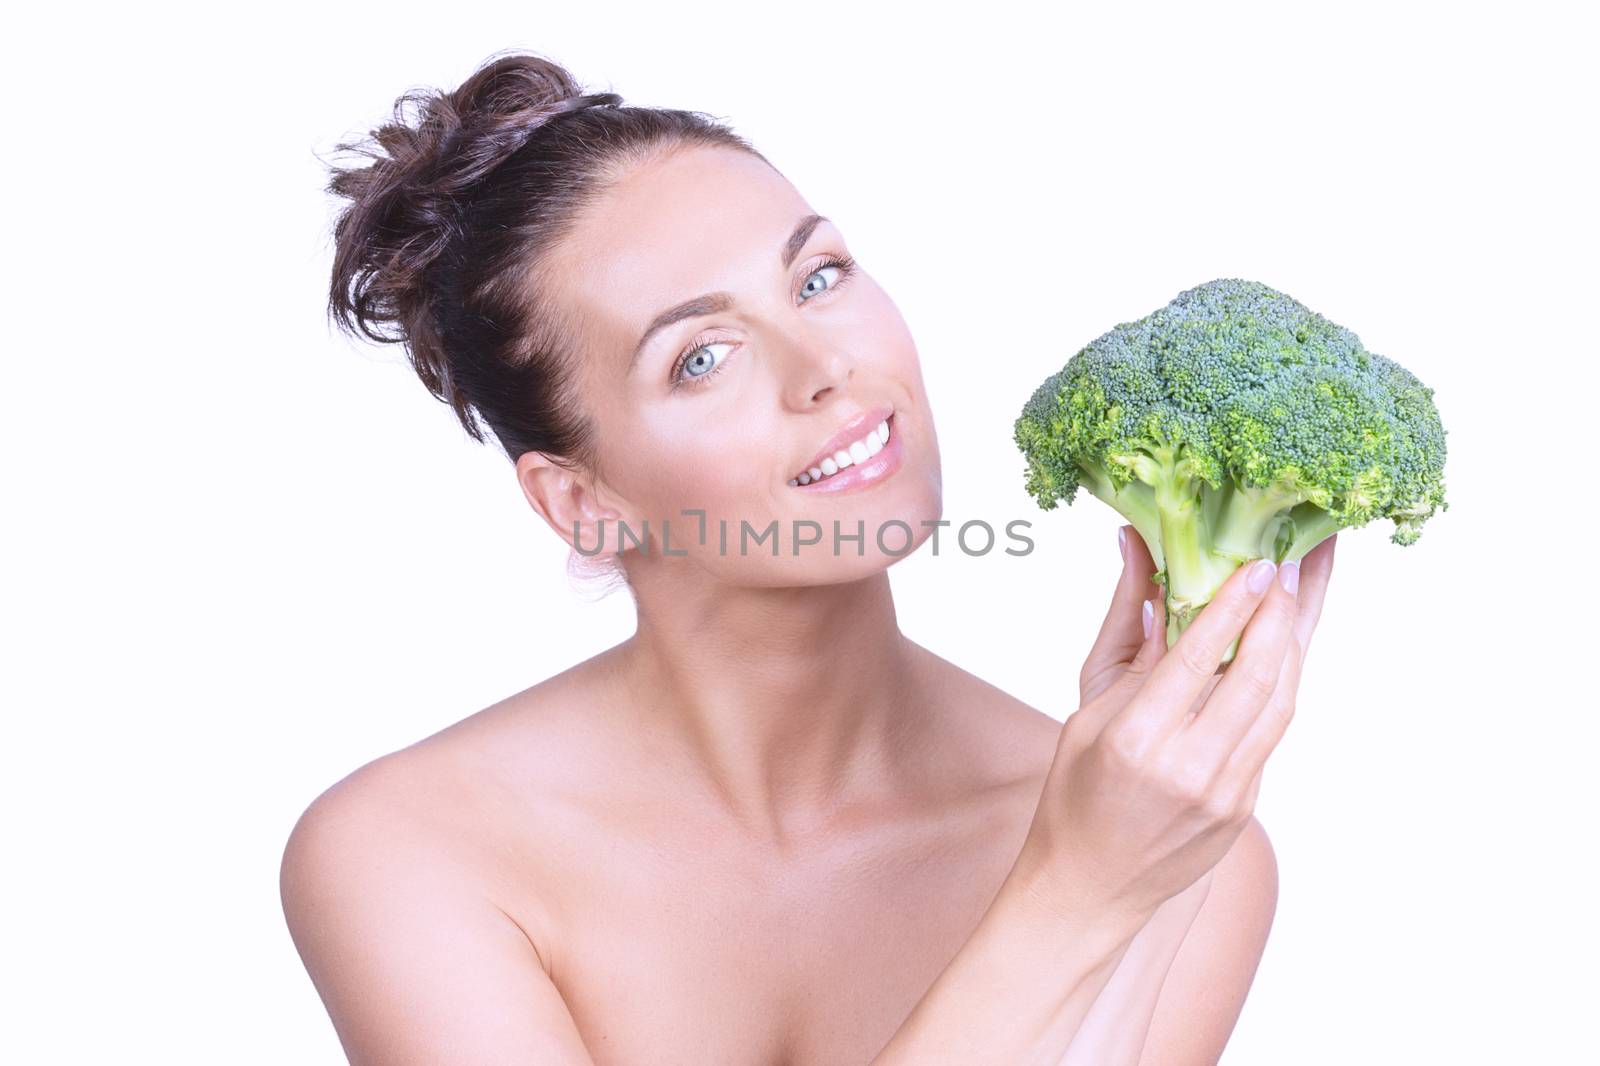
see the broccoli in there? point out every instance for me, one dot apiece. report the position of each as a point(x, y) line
point(1235, 424)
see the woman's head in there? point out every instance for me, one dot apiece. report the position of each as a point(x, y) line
point(521, 238)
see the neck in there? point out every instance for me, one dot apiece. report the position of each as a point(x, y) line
point(788, 703)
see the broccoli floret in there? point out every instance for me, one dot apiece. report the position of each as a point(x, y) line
point(1235, 424)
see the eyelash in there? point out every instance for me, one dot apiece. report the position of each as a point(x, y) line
point(847, 270)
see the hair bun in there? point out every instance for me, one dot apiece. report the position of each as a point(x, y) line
point(406, 205)
point(451, 211)
point(461, 136)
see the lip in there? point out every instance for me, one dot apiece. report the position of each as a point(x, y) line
point(865, 474)
point(848, 434)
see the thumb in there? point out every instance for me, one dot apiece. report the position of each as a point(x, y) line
point(1122, 632)
point(1105, 699)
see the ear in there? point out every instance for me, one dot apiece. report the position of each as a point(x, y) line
point(566, 500)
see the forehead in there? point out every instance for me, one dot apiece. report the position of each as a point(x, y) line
point(693, 221)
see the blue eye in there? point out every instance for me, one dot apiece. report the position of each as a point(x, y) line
point(699, 363)
point(808, 290)
point(695, 364)
point(843, 266)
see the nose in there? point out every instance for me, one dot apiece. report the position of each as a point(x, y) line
point(817, 369)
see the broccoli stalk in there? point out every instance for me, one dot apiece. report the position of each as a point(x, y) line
point(1199, 534)
point(1231, 425)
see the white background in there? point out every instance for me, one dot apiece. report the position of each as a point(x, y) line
point(245, 556)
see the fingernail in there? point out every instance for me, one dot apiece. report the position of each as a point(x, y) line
point(1122, 542)
point(1149, 619)
point(1261, 575)
point(1289, 575)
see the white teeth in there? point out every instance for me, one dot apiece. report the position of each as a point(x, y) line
point(858, 452)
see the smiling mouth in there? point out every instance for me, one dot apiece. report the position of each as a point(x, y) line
point(858, 451)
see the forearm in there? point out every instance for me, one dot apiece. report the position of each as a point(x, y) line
point(1017, 991)
point(1117, 1025)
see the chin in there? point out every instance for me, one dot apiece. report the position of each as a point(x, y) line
point(895, 518)
point(893, 501)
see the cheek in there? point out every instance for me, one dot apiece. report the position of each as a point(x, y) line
point(690, 461)
point(882, 331)
point(709, 481)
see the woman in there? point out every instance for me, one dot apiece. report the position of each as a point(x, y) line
point(766, 828)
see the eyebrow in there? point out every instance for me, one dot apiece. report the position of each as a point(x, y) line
point(713, 302)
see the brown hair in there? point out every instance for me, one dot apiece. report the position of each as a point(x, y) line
point(441, 245)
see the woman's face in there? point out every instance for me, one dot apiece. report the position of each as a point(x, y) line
point(722, 407)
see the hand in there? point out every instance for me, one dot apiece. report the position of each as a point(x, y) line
point(1157, 771)
point(1122, 632)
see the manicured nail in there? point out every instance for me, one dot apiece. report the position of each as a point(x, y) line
point(1261, 575)
point(1149, 619)
point(1289, 575)
point(1122, 542)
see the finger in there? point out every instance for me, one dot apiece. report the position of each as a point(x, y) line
point(1270, 725)
point(1177, 679)
point(1122, 631)
point(1093, 713)
point(1252, 678)
point(1254, 790)
point(1205, 694)
point(1315, 569)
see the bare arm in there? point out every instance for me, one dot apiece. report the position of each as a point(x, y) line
point(1206, 987)
point(1175, 997)
point(1115, 1030)
point(414, 965)
point(1161, 761)
point(1019, 987)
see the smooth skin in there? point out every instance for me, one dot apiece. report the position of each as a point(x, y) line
point(1201, 991)
point(767, 827)
point(1141, 805)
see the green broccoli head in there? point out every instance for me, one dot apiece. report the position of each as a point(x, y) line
point(1234, 424)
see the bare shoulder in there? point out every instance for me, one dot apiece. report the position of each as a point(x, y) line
point(1244, 893)
point(528, 737)
point(404, 818)
point(413, 962)
point(995, 720)
point(1244, 888)
point(460, 804)
point(398, 898)
point(1251, 865)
